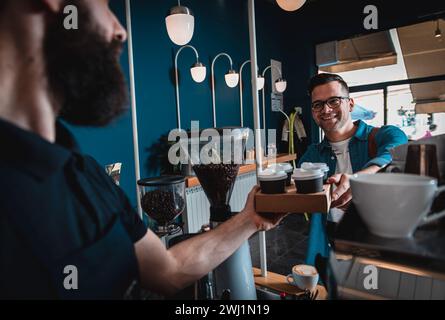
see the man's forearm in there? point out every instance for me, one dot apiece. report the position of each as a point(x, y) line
point(197, 256)
point(370, 169)
point(167, 271)
point(342, 195)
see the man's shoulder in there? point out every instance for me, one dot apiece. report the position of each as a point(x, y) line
point(390, 128)
point(14, 180)
point(313, 147)
point(312, 154)
point(391, 132)
point(384, 132)
point(97, 173)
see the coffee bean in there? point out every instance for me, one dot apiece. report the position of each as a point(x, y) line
point(161, 206)
point(217, 180)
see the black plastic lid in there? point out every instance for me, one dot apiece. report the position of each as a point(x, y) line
point(161, 181)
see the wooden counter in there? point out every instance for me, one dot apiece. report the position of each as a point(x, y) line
point(193, 181)
point(279, 283)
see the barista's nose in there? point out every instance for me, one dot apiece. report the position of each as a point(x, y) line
point(120, 34)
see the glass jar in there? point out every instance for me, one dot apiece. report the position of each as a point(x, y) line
point(163, 198)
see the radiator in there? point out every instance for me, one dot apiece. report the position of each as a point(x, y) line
point(197, 212)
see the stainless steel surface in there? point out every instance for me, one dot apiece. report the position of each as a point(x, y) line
point(180, 10)
point(256, 118)
point(134, 120)
point(399, 154)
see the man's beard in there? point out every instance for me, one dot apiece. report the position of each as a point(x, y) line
point(83, 71)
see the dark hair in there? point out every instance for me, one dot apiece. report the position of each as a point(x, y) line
point(324, 78)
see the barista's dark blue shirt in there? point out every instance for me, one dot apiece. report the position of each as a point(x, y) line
point(58, 208)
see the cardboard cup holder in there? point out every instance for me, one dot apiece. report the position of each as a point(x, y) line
point(293, 202)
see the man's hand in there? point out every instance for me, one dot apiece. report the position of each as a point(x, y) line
point(263, 221)
point(341, 196)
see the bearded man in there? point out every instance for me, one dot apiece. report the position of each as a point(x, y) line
point(67, 231)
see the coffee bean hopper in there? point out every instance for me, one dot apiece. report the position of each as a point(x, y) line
point(163, 200)
point(234, 277)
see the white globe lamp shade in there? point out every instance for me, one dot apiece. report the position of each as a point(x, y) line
point(290, 5)
point(232, 78)
point(260, 83)
point(281, 85)
point(198, 72)
point(180, 25)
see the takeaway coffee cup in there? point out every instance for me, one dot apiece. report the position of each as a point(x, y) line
point(272, 182)
point(303, 276)
point(322, 166)
point(393, 205)
point(308, 181)
point(286, 167)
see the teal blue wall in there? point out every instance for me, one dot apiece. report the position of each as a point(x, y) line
point(222, 25)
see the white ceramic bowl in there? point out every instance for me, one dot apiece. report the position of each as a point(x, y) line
point(392, 205)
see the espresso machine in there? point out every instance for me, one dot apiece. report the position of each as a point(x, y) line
point(409, 268)
point(233, 279)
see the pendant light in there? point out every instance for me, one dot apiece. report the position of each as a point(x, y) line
point(281, 85)
point(290, 5)
point(180, 24)
point(198, 72)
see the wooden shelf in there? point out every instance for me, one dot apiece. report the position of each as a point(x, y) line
point(279, 283)
point(247, 168)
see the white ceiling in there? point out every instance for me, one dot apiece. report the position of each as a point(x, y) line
point(424, 56)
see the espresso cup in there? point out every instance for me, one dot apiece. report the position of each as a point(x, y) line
point(303, 276)
point(393, 205)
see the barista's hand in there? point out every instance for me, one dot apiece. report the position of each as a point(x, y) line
point(341, 196)
point(263, 221)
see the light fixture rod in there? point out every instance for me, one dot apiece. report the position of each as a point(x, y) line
point(270, 67)
point(178, 106)
point(241, 92)
point(213, 82)
point(262, 91)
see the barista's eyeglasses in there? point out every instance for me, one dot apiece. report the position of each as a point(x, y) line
point(333, 103)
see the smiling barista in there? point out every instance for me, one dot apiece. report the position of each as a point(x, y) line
point(58, 208)
point(348, 147)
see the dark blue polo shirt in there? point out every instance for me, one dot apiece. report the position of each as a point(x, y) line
point(58, 208)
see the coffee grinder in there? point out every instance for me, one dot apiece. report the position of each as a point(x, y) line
point(163, 200)
point(234, 277)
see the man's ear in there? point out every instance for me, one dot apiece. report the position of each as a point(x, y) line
point(351, 104)
point(53, 5)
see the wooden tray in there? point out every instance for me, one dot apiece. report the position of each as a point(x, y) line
point(294, 202)
point(279, 283)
